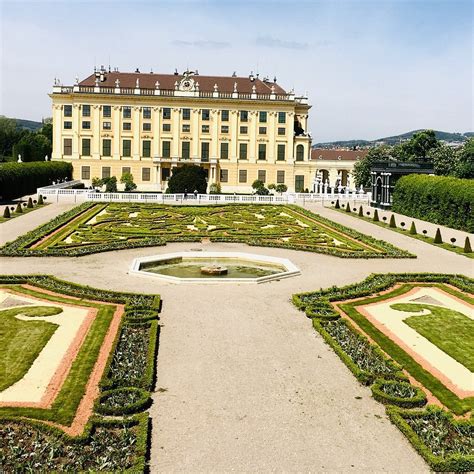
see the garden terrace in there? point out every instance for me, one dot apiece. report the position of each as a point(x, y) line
point(409, 336)
point(70, 352)
point(92, 228)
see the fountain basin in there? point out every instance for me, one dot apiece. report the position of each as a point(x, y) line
point(213, 267)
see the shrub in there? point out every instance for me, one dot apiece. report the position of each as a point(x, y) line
point(110, 184)
point(337, 206)
point(399, 393)
point(188, 178)
point(18, 179)
point(30, 203)
point(438, 199)
point(361, 211)
point(467, 246)
point(413, 228)
point(281, 188)
point(127, 179)
point(18, 208)
point(215, 188)
point(348, 208)
point(392, 223)
point(6, 213)
point(40, 200)
point(376, 216)
point(438, 239)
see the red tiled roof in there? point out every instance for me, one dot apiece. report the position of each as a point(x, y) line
point(167, 81)
point(335, 155)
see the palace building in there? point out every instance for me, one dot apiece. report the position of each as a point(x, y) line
point(238, 129)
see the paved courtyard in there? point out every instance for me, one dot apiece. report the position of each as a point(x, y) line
point(244, 382)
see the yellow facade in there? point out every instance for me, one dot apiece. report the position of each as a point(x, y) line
point(236, 137)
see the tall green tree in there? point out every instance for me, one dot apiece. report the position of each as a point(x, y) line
point(362, 167)
point(417, 148)
point(127, 179)
point(9, 135)
point(32, 147)
point(444, 160)
point(465, 160)
point(188, 178)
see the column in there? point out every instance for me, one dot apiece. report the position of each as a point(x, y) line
point(253, 126)
point(136, 145)
point(271, 132)
point(195, 152)
point(57, 132)
point(156, 130)
point(95, 139)
point(290, 138)
point(76, 130)
point(117, 132)
point(234, 130)
point(175, 125)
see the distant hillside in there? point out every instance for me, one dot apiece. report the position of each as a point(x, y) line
point(29, 124)
point(444, 136)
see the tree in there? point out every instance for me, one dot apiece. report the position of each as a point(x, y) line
point(9, 135)
point(413, 228)
point(444, 160)
point(47, 131)
point(281, 188)
point(259, 187)
point(110, 184)
point(188, 178)
point(438, 239)
point(271, 186)
point(215, 188)
point(32, 147)
point(362, 167)
point(127, 179)
point(465, 160)
point(97, 182)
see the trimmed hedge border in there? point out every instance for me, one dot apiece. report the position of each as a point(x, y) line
point(143, 402)
point(416, 401)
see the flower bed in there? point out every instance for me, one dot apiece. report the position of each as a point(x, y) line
point(123, 401)
point(402, 394)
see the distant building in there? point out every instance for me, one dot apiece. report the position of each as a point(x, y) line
point(238, 129)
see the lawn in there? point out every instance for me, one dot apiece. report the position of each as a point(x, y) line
point(101, 227)
point(451, 331)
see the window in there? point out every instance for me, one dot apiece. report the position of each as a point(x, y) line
point(127, 148)
point(244, 116)
point(281, 152)
point(86, 148)
point(146, 174)
point(185, 150)
point(127, 126)
point(262, 117)
point(262, 151)
point(262, 176)
point(146, 112)
point(225, 129)
point(186, 114)
point(299, 183)
point(126, 169)
point(106, 147)
point(244, 130)
point(299, 153)
point(127, 112)
point(186, 128)
point(105, 172)
point(242, 176)
point(146, 126)
point(107, 111)
point(107, 125)
point(225, 115)
point(205, 114)
point(281, 117)
point(67, 146)
point(86, 125)
point(166, 113)
point(165, 174)
point(262, 130)
point(166, 127)
point(205, 151)
point(85, 172)
point(224, 151)
point(166, 149)
point(67, 125)
point(86, 110)
point(224, 176)
point(205, 129)
point(146, 148)
point(68, 110)
point(280, 177)
point(281, 130)
point(243, 151)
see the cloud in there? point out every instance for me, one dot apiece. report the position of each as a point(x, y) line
point(270, 42)
point(204, 44)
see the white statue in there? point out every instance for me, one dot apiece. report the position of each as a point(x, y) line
point(19, 158)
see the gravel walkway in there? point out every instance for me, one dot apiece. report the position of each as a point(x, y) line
point(244, 382)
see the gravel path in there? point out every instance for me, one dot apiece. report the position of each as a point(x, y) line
point(244, 382)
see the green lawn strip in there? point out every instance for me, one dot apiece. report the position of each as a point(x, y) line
point(71, 226)
point(26, 210)
point(21, 341)
point(73, 389)
point(439, 390)
point(449, 330)
point(422, 238)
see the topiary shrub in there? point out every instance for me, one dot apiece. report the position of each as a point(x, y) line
point(188, 178)
point(18, 209)
point(361, 211)
point(413, 228)
point(40, 200)
point(392, 223)
point(438, 239)
point(376, 216)
point(30, 203)
point(467, 246)
point(337, 206)
point(7, 215)
point(348, 208)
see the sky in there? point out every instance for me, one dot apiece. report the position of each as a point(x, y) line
point(370, 68)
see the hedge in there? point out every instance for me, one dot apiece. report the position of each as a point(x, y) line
point(438, 199)
point(19, 179)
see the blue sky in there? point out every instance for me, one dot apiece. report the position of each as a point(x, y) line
point(370, 69)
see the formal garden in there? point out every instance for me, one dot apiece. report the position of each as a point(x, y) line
point(92, 227)
point(78, 368)
point(409, 337)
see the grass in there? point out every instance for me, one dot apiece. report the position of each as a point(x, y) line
point(423, 238)
point(14, 214)
point(451, 331)
point(449, 399)
point(22, 341)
